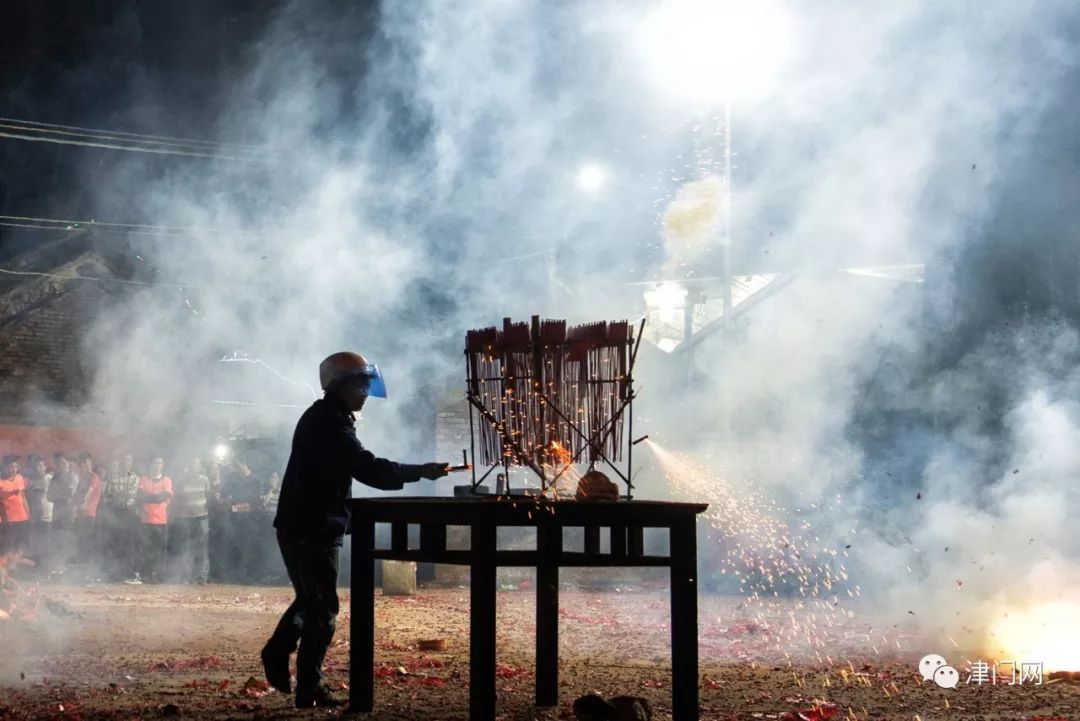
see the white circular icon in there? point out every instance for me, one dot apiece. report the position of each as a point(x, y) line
point(946, 677)
point(929, 664)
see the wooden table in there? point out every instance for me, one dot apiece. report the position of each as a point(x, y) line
point(625, 521)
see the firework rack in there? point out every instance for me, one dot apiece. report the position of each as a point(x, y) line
point(546, 396)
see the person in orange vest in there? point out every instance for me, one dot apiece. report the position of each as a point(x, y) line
point(153, 498)
point(15, 529)
point(87, 497)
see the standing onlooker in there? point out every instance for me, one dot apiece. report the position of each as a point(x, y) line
point(243, 491)
point(189, 525)
point(15, 531)
point(154, 495)
point(87, 498)
point(271, 569)
point(120, 522)
point(62, 494)
point(41, 510)
point(218, 546)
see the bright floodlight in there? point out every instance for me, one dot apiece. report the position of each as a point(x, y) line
point(221, 451)
point(591, 177)
point(711, 51)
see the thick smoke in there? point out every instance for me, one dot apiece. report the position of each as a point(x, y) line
point(419, 180)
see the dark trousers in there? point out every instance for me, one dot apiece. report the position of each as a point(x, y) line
point(188, 539)
point(218, 546)
point(312, 565)
point(86, 537)
point(154, 538)
point(120, 528)
point(40, 541)
point(15, 537)
point(243, 561)
point(63, 542)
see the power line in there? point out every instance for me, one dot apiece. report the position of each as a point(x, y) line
point(76, 276)
point(36, 130)
point(26, 221)
point(123, 134)
point(114, 146)
point(183, 145)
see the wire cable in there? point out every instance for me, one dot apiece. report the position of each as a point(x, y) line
point(135, 148)
point(26, 221)
point(76, 276)
point(135, 136)
point(179, 145)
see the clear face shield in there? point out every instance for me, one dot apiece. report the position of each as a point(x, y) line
point(367, 381)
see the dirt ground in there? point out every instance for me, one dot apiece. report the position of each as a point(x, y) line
point(148, 652)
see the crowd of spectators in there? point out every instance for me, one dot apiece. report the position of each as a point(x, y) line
point(139, 523)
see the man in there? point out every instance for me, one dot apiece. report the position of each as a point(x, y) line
point(62, 494)
point(243, 492)
point(188, 522)
point(154, 494)
point(15, 533)
point(41, 510)
point(313, 517)
point(218, 542)
point(267, 560)
point(271, 494)
point(88, 496)
point(121, 521)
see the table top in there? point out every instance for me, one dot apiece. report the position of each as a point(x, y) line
point(522, 510)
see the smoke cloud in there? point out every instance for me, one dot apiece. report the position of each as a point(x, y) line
point(418, 180)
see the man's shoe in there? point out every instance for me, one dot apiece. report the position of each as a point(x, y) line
point(321, 698)
point(276, 668)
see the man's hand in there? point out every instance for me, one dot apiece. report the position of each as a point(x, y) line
point(431, 471)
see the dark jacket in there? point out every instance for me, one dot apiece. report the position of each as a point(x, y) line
point(326, 457)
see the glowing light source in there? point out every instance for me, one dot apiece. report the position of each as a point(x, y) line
point(1046, 633)
point(591, 177)
point(711, 51)
point(665, 305)
point(221, 451)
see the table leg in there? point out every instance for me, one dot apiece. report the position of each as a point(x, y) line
point(482, 624)
point(548, 546)
point(362, 617)
point(684, 621)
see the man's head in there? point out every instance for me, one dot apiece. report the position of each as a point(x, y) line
point(38, 465)
point(10, 466)
point(114, 468)
point(32, 468)
point(86, 462)
point(127, 463)
point(351, 379)
point(60, 463)
point(157, 465)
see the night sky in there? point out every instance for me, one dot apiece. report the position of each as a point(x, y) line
point(164, 68)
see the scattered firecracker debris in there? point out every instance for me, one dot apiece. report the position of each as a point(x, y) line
point(255, 688)
point(504, 671)
point(202, 672)
point(816, 713)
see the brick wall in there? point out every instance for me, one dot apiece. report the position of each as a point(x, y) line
point(39, 355)
point(46, 440)
point(452, 430)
